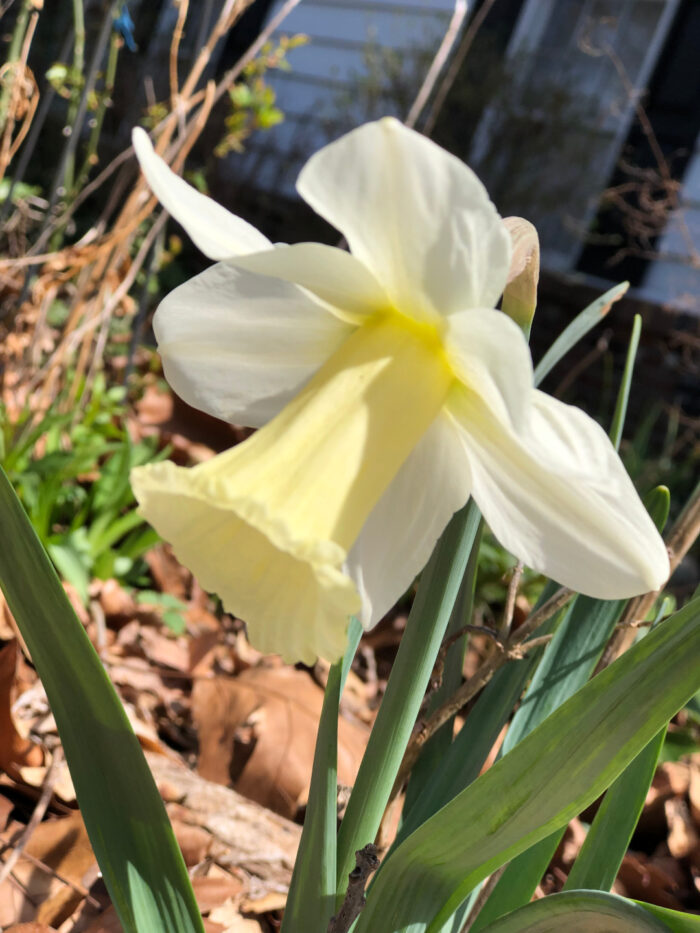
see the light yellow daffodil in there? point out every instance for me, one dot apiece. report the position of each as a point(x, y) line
point(387, 389)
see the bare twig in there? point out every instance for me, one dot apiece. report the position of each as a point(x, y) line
point(485, 892)
point(21, 74)
point(515, 647)
point(679, 541)
point(233, 73)
point(36, 817)
point(438, 63)
point(174, 49)
point(511, 595)
point(455, 65)
point(366, 862)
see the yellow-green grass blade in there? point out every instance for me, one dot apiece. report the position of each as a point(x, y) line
point(123, 812)
point(550, 777)
point(623, 395)
point(464, 759)
point(311, 898)
point(581, 912)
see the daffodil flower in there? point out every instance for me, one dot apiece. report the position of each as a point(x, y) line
point(387, 390)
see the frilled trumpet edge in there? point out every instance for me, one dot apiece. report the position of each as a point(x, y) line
point(268, 525)
point(292, 594)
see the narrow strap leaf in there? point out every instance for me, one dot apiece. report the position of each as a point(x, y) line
point(123, 812)
point(583, 322)
point(580, 912)
point(624, 390)
point(311, 898)
point(522, 798)
point(604, 847)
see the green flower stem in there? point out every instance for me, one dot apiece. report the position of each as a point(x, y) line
point(78, 66)
point(433, 753)
point(18, 34)
point(409, 678)
point(90, 159)
point(311, 899)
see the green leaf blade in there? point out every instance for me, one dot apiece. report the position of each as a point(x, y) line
point(522, 798)
point(123, 812)
point(580, 912)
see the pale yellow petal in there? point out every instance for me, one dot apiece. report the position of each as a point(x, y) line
point(557, 496)
point(217, 232)
point(414, 215)
point(268, 525)
point(331, 274)
point(240, 346)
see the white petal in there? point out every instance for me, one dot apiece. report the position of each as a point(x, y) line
point(399, 536)
point(332, 274)
point(415, 215)
point(239, 345)
point(490, 355)
point(217, 232)
point(558, 497)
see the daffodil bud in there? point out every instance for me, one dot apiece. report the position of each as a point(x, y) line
point(520, 294)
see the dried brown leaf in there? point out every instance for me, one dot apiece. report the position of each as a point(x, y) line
point(16, 751)
point(282, 705)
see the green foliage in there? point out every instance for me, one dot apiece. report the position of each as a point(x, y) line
point(663, 449)
point(522, 799)
point(170, 609)
point(70, 469)
point(125, 817)
point(21, 191)
point(252, 100)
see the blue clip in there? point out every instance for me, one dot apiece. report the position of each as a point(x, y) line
point(124, 25)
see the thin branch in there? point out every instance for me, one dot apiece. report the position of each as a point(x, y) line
point(233, 73)
point(366, 862)
point(438, 63)
point(679, 540)
point(515, 647)
point(511, 595)
point(36, 817)
point(485, 892)
point(455, 65)
point(174, 50)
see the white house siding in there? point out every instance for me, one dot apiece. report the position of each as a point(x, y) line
point(558, 50)
point(673, 278)
point(319, 96)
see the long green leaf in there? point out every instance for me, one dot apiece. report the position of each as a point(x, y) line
point(410, 673)
point(604, 847)
point(675, 920)
point(553, 774)
point(580, 912)
point(568, 662)
point(465, 758)
point(578, 328)
point(123, 812)
point(311, 899)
